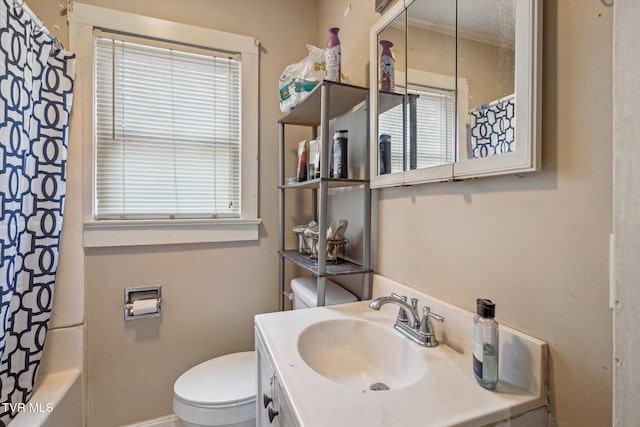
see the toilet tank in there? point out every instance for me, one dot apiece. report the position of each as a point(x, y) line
point(305, 293)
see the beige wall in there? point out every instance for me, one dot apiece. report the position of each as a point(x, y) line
point(537, 245)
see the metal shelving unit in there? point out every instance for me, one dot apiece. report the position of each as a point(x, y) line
point(327, 101)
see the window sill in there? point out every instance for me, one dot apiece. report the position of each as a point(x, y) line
point(109, 233)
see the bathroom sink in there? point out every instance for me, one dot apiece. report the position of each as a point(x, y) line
point(360, 355)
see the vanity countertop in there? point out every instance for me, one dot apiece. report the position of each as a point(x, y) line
point(447, 392)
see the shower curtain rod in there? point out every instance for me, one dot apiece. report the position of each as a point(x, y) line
point(39, 23)
point(498, 101)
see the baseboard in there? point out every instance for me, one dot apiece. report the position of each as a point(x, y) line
point(168, 421)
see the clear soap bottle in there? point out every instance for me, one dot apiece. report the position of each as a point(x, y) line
point(485, 344)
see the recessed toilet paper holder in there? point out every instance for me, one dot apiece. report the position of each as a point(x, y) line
point(142, 302)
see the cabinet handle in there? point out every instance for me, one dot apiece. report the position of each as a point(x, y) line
point(266, 400)
point(272, 415)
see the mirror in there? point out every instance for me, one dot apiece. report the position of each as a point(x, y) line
point(391, 100)
point(446, 108)
point(486, 65)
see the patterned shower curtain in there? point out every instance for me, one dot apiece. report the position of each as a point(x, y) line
point(493, 127)
point(36, 89)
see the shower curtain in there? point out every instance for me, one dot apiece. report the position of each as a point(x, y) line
point(492, 129)
point(36, 90)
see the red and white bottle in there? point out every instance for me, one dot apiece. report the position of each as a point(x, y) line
point(333, 55)
point(387, 65)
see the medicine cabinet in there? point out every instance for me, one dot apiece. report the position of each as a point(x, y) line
point(464, 96)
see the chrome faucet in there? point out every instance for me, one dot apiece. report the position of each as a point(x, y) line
point(417, 329)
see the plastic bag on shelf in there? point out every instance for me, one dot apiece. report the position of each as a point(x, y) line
point(297, 80)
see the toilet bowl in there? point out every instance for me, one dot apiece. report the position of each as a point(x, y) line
point(218, 392)
point(222, 391)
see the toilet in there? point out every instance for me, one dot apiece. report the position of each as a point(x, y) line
point(222, 391)
point(305, 296)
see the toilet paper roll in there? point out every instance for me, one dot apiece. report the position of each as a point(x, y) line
point(144, 306)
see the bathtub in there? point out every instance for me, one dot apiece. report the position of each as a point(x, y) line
point(58, 395)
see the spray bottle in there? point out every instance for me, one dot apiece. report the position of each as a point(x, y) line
point(387, 65)
point(333, 55)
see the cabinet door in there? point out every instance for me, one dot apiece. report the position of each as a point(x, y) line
point(276, 412)
point(265, 392)
point(284, 413)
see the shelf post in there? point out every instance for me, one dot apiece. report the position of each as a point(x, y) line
point(281, 214)
point(365, 292)
point(324, 191)
point(314, 192)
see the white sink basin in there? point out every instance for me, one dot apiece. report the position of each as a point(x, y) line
point(325, 359)
point(361, 355)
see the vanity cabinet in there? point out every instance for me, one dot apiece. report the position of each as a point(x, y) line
point(324, 367)
point(271, 403)
point(329, 100)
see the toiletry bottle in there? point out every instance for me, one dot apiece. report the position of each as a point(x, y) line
point(485, 344)
point(301, 172)
point(384, 154)
point(387, 65)
point(340, 148)
point(333, 55)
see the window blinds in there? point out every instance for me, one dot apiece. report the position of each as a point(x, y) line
point(434, 130)
point(168, 132)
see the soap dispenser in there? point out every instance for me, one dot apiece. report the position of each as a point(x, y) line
point(485, 344)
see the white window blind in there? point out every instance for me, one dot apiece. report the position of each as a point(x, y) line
point(434, 130)
point(168, 132)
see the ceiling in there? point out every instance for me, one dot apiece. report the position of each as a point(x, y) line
point(488, 21)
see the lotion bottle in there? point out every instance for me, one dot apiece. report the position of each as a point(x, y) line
point(333, 55)
point(485, 344)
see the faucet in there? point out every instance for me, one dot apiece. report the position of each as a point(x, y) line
point(409, 323)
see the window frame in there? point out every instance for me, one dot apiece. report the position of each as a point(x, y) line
point(83, 20)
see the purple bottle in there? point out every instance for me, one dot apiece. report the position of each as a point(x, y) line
point(333, 55)
point(387, 65)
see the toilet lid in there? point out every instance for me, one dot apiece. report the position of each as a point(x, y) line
point(223, 380)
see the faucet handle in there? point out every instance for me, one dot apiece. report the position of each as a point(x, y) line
point(426, 329)
point(428, 313)
point(402, 314)
point(425, 322)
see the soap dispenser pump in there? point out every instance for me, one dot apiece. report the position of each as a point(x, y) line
point(485, 344)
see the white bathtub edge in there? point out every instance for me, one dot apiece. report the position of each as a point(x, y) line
point(57, 398)
point(52, 394)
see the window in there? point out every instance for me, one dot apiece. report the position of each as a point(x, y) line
point(168, 114)
point(438, 111)
point(434, 131)
point(167, 131)
point(434, 128)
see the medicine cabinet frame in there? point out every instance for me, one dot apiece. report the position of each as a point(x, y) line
point(526, 156)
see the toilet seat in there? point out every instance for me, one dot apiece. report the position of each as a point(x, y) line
point(219, 391)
